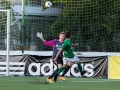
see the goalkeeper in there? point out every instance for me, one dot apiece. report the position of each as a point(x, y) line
point(56, 44)
point(69, 57)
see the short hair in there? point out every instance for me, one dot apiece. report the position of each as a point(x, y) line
point(67, 34)
point(62, 33)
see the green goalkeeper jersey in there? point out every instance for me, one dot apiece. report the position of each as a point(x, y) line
point(67, 48)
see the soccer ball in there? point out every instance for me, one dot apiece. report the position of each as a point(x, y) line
point(48, 4)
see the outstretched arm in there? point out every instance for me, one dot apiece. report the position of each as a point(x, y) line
point(49, 43)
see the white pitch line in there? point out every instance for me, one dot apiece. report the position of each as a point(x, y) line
point(19, 80)
point(96, 81)
point(88, 81)
point(66, 81)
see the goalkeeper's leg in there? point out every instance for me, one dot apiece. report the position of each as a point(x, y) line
point(51, 76)
point(59, 65)
point(58, 72)
point(49, 79)
point(66, 67)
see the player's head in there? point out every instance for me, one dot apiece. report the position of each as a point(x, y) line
point(62, 35)
point(67, 34)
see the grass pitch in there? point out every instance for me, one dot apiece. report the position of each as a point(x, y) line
point(38, 83)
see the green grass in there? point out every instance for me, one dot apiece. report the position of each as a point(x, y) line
point(38, 83)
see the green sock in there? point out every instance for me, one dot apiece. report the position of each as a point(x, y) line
point(60, 70)
point(79, 67)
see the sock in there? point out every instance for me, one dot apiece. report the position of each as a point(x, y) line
point(60, 70)
point(79, 67)
point(66, 70)
point(53, 73)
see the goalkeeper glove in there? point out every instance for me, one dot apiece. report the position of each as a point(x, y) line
point(40, 35)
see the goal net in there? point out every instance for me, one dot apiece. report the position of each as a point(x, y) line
point(9, 33)
point(94, 23)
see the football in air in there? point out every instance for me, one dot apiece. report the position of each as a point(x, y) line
point(48, 4)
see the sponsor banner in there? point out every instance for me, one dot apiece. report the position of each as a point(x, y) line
point(43, 66)
point(114, 67)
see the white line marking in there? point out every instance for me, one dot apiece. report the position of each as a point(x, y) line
point(70, 81)
point(88, 81)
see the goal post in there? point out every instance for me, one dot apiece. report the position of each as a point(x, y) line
point(8, 40)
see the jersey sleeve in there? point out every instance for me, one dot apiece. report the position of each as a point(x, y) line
point(49, 43)
point(64, 45)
